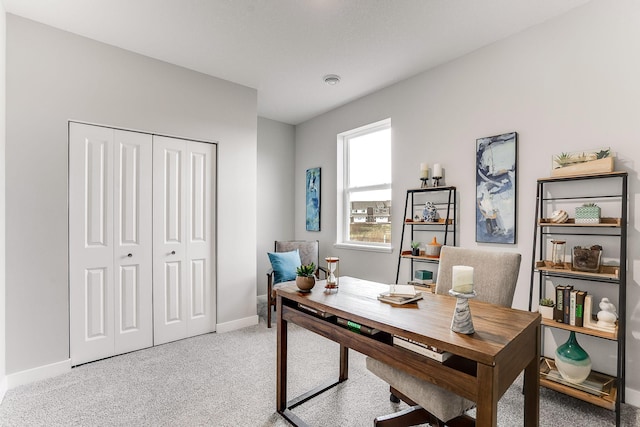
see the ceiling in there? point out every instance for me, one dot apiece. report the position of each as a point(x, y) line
point(283, 48)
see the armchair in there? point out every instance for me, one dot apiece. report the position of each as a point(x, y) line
point(309, 253)
point(495, 278)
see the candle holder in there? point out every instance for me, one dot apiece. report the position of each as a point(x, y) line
point(462, 322)
point(436, 181)
point(425, 182)
point(334, 273)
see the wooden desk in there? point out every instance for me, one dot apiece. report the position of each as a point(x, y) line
point(485, 364)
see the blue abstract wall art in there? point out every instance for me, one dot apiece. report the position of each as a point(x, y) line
point(313, 199)
point(496, 178)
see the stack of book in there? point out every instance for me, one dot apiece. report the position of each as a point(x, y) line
point(400, 294)
point(569, 305)
point(421, 348)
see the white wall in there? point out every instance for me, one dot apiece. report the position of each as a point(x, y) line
point(566, 85)
point(3, 45)
point(54, 76)
point(275, 184)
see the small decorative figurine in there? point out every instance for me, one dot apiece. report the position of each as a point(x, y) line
point(607, 315)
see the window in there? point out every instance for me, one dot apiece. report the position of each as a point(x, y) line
point(364, 198)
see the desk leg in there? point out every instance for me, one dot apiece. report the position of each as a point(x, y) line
point(344, 363)
point(532, 387)
point(281, 361)
point(487, 404)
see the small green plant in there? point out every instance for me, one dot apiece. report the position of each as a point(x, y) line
point(603, 154)
point(547, 302)
point(415, 245)
point(589, 205)
point(563, 159)
point(306, 270)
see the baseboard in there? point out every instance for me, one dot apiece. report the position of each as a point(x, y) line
point(3, 387)
point(632, 397)
point(40, 373)
point(237, 324)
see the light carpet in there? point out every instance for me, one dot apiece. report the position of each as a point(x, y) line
point(229, 379)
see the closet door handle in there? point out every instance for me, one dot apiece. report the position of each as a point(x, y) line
point(173, 252)
point(129, 255)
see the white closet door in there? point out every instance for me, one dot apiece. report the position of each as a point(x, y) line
point(109, 217)
point(90, 242)
point(183, 273)
point(133, 245)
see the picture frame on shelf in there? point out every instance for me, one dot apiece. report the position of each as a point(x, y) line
point(496, 184)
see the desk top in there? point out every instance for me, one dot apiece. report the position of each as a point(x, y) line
point(428, 320)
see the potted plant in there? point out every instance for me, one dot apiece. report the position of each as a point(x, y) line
point(415, 248)
point(306, 278)
point(545, 307)
point(587, 258)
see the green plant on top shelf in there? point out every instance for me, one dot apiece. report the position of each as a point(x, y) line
point(306, 270)
point(603, 154)
point(415, 245)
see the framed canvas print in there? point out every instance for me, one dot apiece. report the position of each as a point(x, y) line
point(496, 179)
point(313, 199)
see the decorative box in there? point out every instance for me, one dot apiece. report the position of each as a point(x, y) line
point(586, 259)
point(424, 274)
point(588, 215)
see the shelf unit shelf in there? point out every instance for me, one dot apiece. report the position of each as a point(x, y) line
point(615, 196)
point(445, 200)
point(605, 399)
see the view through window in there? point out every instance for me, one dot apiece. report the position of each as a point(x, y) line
point(366, 196)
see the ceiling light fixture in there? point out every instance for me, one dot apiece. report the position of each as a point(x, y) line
point(331, 79)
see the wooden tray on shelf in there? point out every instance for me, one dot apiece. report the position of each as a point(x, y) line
point(606, 271)
point(439, 221)
point(598, 388)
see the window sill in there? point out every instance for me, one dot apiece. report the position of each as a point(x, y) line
point(363, 247)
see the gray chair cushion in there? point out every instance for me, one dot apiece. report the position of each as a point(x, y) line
point(440, 402)
point(495, 274)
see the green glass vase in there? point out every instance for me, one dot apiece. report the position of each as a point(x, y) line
point(573, 363)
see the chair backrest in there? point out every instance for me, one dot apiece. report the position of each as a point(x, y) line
point(495, 274)
point(309, 249)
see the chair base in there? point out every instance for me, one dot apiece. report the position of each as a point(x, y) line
point(415, 414)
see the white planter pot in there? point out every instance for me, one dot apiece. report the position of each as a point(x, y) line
point(546, 312)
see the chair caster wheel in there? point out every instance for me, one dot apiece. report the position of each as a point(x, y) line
point(393, 398)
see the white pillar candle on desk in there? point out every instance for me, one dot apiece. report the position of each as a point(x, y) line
point(462, 279)
point(424, 170)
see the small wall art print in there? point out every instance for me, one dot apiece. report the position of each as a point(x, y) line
point(496, 179)
point(313, 199)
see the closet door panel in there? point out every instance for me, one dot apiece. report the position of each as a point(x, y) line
point(201, 193)
point(90, 242)
point(133, 252)
point(169, 254)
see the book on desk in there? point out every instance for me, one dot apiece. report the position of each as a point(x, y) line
point(421, 348)
point(400, 294)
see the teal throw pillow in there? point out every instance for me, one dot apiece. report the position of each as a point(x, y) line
point(284, 265)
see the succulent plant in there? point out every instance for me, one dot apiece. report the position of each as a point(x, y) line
point(415, 245)
point(603, 154)
point(563, 159)
point(588, 205)
point(306, 270)
point(547, 302)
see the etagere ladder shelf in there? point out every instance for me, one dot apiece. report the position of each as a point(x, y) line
point(444, 199)
point(613, 277)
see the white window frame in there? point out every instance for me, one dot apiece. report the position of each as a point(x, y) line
point(343, 191)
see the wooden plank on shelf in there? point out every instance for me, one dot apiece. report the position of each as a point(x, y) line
point(571, 222)
point(598, 389)
point(582, 329)
point(440, 221)
point(605, 272)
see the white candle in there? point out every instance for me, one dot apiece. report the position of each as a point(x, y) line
point(437, 170)
point(424, 170)
point(462, 279)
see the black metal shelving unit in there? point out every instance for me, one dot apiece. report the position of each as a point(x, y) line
point(444, 199)
point(609, 228)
